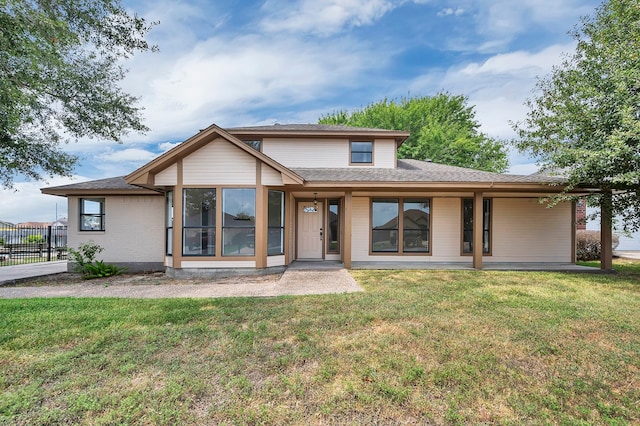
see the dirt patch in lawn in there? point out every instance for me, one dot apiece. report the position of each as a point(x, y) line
point(155, 278)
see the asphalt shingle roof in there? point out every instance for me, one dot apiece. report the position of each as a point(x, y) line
point(103, 184)
point(416, 171)
point(307, 128)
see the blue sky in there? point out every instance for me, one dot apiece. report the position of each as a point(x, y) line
point(241, 62)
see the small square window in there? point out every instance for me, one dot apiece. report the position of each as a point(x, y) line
point(92, 214)
point(362, 152)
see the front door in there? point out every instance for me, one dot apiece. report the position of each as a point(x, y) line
point(310, 231)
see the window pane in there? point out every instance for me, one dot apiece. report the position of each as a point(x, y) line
point(361, 146)
point(334, 226)
point(91, 214)
point(169, 212)
point(276, 208)
point(238, 207)
point(415, 240)
point(275, 236)
point(275, 241)
point(385, 214)
point(384, 240)
point(361, 157)
point(199, 207)
point(238, 241)
point(416, 214)
point(199, 241)
point(361, 152)
point(91, 206)
point(238, 221)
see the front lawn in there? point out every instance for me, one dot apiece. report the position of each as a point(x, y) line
point(418, 347)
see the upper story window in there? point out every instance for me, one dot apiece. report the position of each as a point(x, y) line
point(255, 144)
point(361, 152)
point(92, 214)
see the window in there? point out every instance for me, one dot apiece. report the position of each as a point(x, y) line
point(92, 214)
point(238, 222)
point(361, 152)
point(394, 233)
point(169, 223)
point(255, 144)
point(275, 238)
point(333, 237)
point(199, 223)
point(415, 226)
point(467, 226)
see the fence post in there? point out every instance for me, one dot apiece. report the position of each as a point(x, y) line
point(49, 243)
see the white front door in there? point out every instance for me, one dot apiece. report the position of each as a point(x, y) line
point(310, 232)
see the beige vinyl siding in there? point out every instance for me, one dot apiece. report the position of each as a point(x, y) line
point(275, 261)
point(360, 229)
point(219, 162)
point(384, 153)
point(310, 153)
point(446, 227)
point(134, 229)
point(325, 153)
point(526, 231)
point(271, 177)
point(219, 264)
point(167, 177)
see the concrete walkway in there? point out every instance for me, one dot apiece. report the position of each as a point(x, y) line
point(9, 274)
point(298, 279)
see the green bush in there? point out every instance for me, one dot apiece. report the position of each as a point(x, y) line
point(588, 245)
point(33, 239)
point(1, 241)
point(99, 269)
point(85, 263)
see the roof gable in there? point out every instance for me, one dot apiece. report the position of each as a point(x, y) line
point(144, 175)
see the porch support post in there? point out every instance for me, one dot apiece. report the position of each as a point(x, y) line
point(262, 218)
point(477, 229)
point(177, 220)
point(606, 234)
point(348, 208)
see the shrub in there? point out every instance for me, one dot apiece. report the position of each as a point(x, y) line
point(85, 263)
point(1, 241)
point(588, 245)
point(33, 239)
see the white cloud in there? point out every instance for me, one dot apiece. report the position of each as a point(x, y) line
point(449, 11)
point(166, 146)
point(323, 17)
point(219, 79)
point(129, 155)
point(497, 86)
point(28, 204)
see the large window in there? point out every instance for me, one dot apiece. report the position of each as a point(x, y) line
point(169, 223)
point(395, 233)
point(92, 214)
point(415, 226)
point(362, 152)
point(238, 221)
point(333, 236)
point(467, 226)
point(275, 238)
point(199, 222)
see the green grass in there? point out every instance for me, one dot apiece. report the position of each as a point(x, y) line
point(419, 347)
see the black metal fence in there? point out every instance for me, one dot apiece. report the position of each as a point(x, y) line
point(29, 244)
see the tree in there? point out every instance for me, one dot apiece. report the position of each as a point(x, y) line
point(59, 65)
point(443, 129)
point(585, 121)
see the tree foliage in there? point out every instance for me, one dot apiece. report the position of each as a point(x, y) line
point(60, 62)
point(585, 120)
point(443, 129)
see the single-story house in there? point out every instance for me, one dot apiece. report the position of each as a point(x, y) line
point(258, 198)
